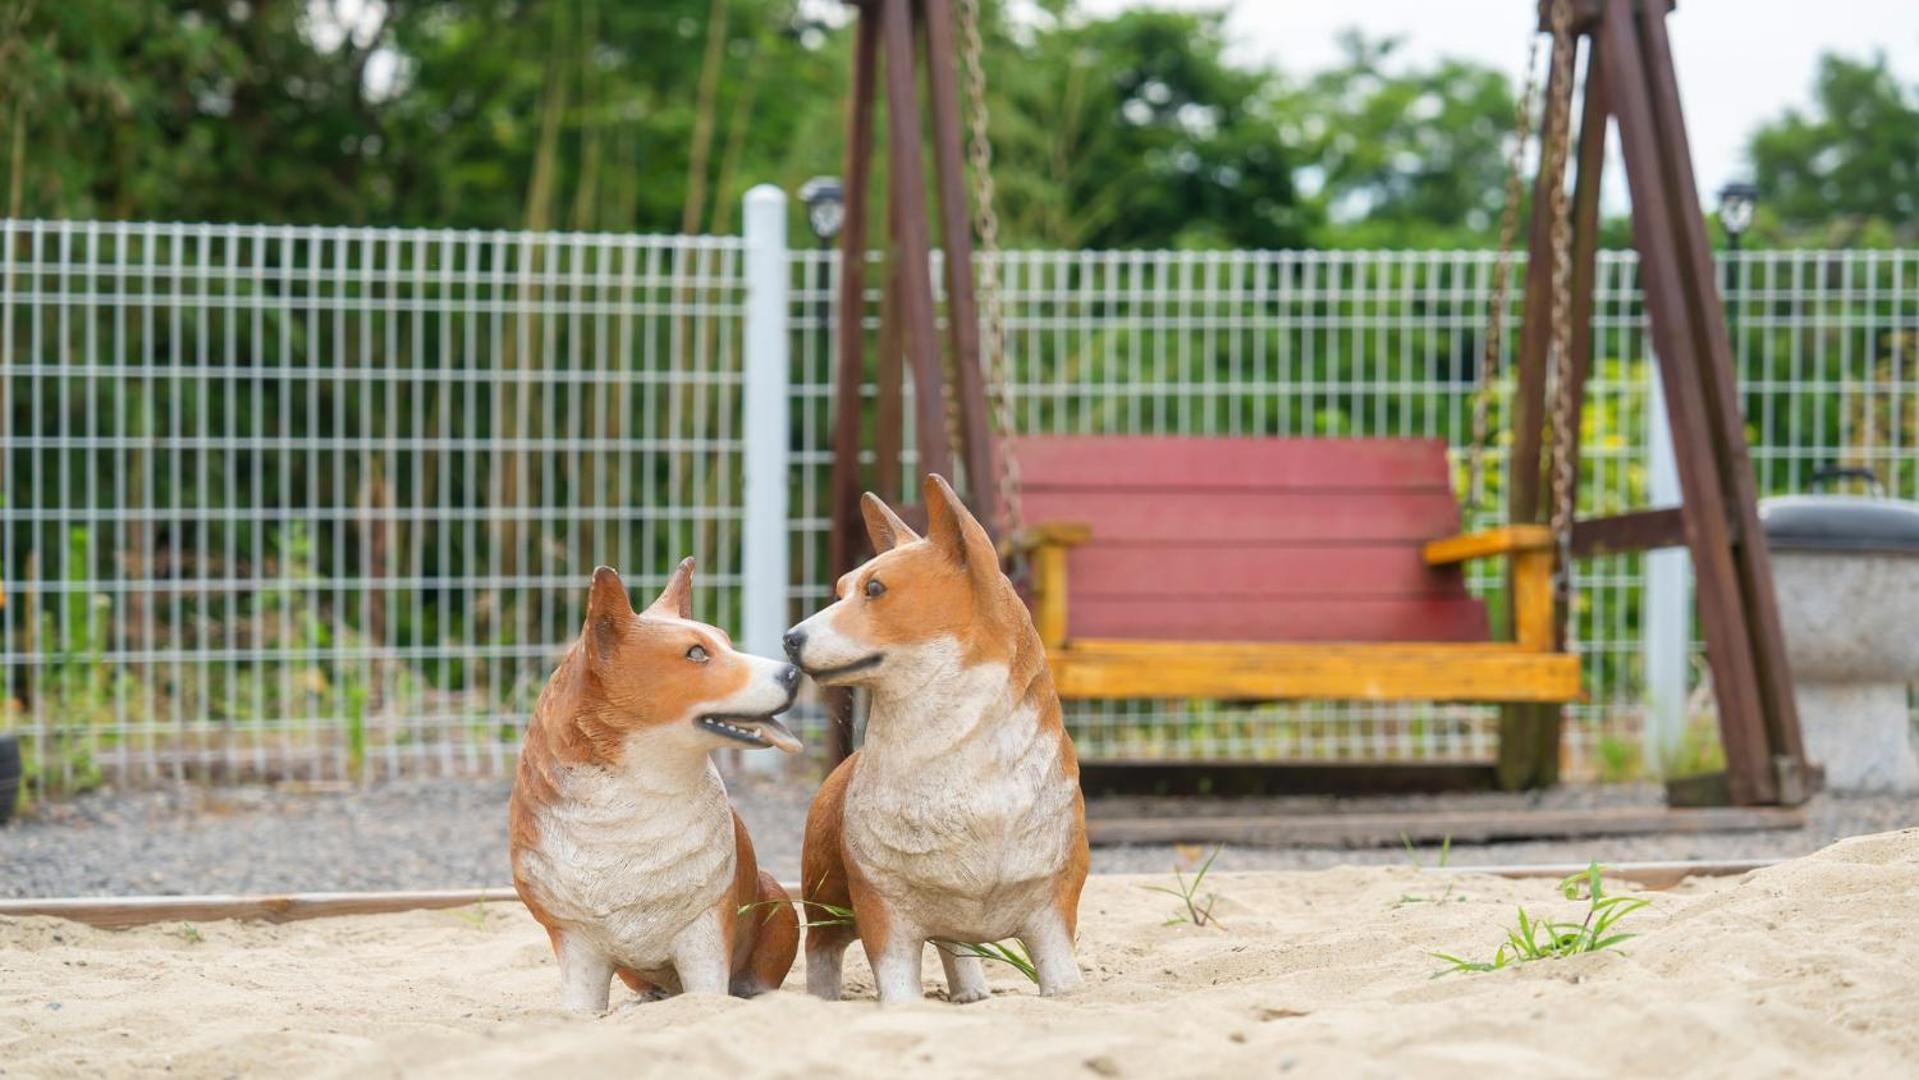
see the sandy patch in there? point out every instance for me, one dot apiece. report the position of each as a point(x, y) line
point(1808, 968)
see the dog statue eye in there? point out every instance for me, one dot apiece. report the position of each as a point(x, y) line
point(874, 590)
point(697, 654)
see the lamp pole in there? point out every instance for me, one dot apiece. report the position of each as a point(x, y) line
point(1737, 202)
point(825, 199)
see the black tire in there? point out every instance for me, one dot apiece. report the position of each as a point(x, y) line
point(9, 775)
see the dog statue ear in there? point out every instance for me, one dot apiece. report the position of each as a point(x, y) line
point(607, 606)
point(883, 525)
point(953, 529)
point(676, 600)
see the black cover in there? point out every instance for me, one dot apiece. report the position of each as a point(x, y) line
point(9, 775)
point(1840, 523)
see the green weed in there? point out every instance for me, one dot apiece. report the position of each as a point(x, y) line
point(474, 916)
point(1196, 912)
point(1010, 953)
point(1412, 856)
point(836, 915)
point(1620, 760)
point(1524, 943)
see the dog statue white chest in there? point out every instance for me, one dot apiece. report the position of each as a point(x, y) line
point(960, 811)
point(632, 861)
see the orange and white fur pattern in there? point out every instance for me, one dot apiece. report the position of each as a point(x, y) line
point(960, 819)
point(624, 845)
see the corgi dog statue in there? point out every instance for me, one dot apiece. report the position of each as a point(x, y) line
point(623, 843)
point(960, 819)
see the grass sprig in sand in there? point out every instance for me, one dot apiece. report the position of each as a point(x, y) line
point(1197, 912)
point(1547, 939)
point(1010, 953)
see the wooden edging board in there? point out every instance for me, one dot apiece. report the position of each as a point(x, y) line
point(115, 912)
point(118, 911)
point(1356, 830)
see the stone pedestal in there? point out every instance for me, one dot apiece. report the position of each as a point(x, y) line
point(1859, 732)
point(1851, 623)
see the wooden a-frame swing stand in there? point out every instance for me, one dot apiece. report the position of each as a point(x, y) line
point(1629, 80)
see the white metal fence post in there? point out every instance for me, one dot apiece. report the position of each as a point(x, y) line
point(1667, 612)
point(764, 570)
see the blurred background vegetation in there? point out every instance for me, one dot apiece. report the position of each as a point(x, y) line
point(1130, 130)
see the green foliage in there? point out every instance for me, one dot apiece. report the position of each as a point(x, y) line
point(1193, 910)
point(1619, 760)
point(836, 915)
point(1845, 173)
point(1412, 856)
point(1402, 156)
point(474, 916)
point(1010, 953)
point(356, 732)
point(1548, 939)
point(1699, 752)
point(497, 113)
point(1132, 129)
point(78, 691)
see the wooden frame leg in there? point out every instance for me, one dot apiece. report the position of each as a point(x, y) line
point(906, 194)
point(843, 544)
point(962, 313)
point(1668, 276)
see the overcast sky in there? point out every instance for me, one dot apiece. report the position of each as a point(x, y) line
point(1740, 61)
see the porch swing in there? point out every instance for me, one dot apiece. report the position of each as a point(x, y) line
point(1258, 569)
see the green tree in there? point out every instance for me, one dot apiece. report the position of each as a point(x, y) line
point(475, 113)
point(1847, 171)
point(1401, 157)
point(1134, 131)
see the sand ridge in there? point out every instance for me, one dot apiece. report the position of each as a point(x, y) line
point(1807, 968)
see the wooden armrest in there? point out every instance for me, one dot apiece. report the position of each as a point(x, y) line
point(1047, 534)
point(1504, 540)
point(1531, 549)
point(1046, 545)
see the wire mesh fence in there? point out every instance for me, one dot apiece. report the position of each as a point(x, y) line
point(1389, 343)
point(316, 502)
point(320, 502)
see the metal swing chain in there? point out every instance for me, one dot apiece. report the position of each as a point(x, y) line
point(979, 153)
point(1565, 429)
point(1502, 276)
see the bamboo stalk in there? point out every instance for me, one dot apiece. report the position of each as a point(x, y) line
point(706, 105)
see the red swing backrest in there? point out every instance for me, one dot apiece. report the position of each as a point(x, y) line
point(1252, 539)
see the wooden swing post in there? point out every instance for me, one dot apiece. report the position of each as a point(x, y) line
point(1630, 79)
point(896, 35)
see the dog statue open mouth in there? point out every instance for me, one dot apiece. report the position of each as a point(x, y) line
point(623, 843)
point(762, 731)
point(960, 819)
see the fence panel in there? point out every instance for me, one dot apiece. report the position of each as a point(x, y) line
point(318, 502)
point(1389, 343)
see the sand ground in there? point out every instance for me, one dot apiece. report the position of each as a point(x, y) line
point(1809, 968)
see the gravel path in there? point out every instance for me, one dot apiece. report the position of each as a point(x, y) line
point(452, 834)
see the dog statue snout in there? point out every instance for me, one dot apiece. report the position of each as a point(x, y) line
point(789, 680)
point(794, 640)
